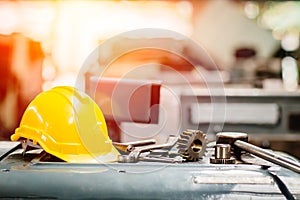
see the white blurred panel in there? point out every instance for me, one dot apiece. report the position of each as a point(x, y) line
point(235, 113)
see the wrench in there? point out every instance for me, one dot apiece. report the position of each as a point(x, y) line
point(162, 159)
point(134, 155)
point(130, 146)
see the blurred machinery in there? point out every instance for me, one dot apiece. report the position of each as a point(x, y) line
point(20, 78)
point(124, 100)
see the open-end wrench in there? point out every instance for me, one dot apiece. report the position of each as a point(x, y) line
point(130, 146)
point(134, 155)
point(162, 159)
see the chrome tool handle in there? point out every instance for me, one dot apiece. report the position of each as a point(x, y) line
point(269, 156)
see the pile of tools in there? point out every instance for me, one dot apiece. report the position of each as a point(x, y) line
point(193, 146)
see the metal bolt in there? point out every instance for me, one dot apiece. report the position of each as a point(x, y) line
point(222, 155)
point(222, 151)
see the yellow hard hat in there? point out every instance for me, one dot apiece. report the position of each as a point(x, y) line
point(68, 124)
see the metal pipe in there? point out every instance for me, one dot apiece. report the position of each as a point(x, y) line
point(269, 156)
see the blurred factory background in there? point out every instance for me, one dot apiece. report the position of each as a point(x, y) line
point(254, 45)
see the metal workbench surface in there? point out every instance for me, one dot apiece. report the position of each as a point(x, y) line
point(27, 177)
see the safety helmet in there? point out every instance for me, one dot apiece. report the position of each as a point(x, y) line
point(68, 124)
